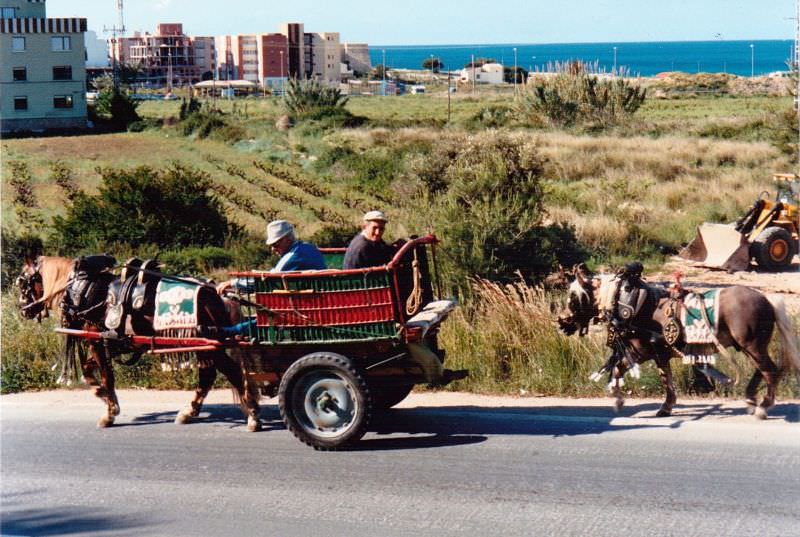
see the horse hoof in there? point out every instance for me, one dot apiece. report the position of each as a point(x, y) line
point(663, 413)
point(114, 410)
point(105, 421)
point(761, 413)
point(183, 418)
point(253, 425)
point(750, 409)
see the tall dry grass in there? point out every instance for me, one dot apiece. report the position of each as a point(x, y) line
point(507, 337)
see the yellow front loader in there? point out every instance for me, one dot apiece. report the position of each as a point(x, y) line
point(768, 233)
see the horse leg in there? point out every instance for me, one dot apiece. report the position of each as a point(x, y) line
point(616, 387)
point(207, 374)
point(248, 393)
point(766, 369)
point(751, 391)
point(665, 375)
point(98, 359)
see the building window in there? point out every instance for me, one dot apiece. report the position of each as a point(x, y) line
point(60, 43)
point(18, 44)
point(62, 101)
point(20, 103)
point(20, 74)
point(62, 72)
point(8, 12)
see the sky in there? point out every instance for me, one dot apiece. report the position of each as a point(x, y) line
point(418, 22)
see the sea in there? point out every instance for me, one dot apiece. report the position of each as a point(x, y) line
point(743, 58)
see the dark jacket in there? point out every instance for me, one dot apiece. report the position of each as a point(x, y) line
point(363, 253)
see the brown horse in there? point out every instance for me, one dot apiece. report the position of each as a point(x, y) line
point(84, 292)
point(746, 321)
point(41, 285)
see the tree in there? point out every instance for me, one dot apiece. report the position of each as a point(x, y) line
point(434, 64)
point(117, 108)
point(379, 72)
point(508, 75)
point(480, 62)
point(167, 207)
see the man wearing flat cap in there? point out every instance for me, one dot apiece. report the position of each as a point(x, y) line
point(367, 249)
point(294, 254)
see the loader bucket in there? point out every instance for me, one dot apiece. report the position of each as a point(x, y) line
point(718, 246)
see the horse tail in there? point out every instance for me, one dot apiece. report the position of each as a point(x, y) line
point(789, 343)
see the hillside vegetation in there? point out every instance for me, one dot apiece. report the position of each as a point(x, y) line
point(495, 183)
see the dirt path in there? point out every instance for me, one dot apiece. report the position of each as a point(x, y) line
point(787, 284)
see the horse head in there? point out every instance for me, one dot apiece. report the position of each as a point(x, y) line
point(31, 290)
point(582, 304)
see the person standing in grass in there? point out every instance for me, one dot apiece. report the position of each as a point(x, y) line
point(367, 249)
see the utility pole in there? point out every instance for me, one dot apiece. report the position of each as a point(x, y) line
point(283, 89)
point(752, 60)
point(119, 28)
point(615, 62)
point(383, 72)
point(797, 75)
point(448, 95)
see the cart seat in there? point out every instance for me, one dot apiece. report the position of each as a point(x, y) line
point(431, 315)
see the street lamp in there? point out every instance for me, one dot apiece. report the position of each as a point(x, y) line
point(515, 69)
point(752, 60)
point(615, 61)
point(383, 86)
point(282, 86)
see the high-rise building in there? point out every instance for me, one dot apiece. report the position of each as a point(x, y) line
point(295, 34)
point(259, 58)
point(168, 57)
point(43, 64)
point(322, 57)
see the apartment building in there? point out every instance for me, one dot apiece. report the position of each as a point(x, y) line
point(295, 34)
point(356, 57)
point(259, 58)
point(168, 57)
point(322, 57)
point(42, 65)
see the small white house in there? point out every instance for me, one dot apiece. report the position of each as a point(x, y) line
point(488, 73)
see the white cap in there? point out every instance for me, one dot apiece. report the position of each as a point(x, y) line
point(278, 229)
point(375, 216)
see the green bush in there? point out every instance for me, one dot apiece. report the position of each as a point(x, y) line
point(196, 260)
point(576, 96)
point(333, 236)
point(308, 99)
point(168, 208)
point(371, 171)
point(487, 205)
point(116, 108)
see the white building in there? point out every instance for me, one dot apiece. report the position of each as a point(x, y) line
point(488, 73)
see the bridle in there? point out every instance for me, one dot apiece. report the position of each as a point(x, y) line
point(31, 292)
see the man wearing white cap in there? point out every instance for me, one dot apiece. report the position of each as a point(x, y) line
point(367, 249)
point(294, 254)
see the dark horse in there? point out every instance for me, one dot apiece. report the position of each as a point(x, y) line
point(746, 321)
point(85, 306)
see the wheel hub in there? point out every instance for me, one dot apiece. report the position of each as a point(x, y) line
point(778, 250)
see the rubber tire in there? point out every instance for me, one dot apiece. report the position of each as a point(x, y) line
point(385, 397)
point(307, 373)
point(765, 243)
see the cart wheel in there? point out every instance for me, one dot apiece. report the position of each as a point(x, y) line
point(385, 397)
point(324, 401)
point(774, 248)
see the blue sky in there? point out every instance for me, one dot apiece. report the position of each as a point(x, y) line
point(410, 22)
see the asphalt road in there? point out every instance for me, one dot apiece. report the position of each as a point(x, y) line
point(442, 465)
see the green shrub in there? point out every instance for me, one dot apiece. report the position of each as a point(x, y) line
point(196, 260)
point(487, 206)
point(333, 236)
point(576, 96)
point(168, 208)
point(308, 99)
point(116, 108)
point(372, 170)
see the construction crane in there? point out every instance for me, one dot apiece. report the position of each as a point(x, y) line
point(116, 30)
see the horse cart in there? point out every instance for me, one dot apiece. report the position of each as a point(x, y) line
point(333, 345)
